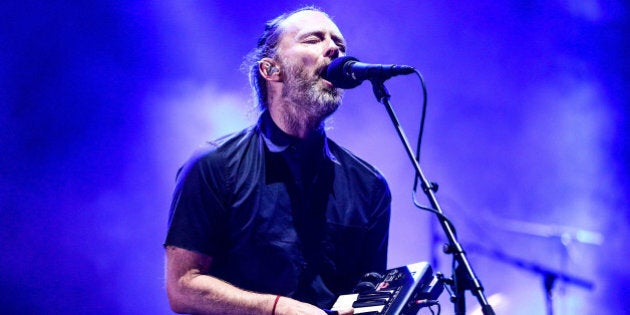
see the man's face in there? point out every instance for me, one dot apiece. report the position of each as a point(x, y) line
point(309, 42)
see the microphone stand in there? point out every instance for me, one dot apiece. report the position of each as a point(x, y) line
point(464, 278)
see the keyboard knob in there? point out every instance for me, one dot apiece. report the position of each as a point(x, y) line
point(373, 277)
point(364, 287)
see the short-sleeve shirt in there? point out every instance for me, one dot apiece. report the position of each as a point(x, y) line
point(303, 218)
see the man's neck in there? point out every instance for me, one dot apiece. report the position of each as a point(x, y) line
point(294, 122)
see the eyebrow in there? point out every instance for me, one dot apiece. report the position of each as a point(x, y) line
point(335, 38)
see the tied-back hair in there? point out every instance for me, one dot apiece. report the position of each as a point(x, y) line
point(267, 48)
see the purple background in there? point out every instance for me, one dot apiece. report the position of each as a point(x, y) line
point(526, 133)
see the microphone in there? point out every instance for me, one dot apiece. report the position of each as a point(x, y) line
point(347, 72)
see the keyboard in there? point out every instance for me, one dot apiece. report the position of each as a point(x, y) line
point(403, 290)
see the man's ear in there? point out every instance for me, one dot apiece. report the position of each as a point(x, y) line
point(269, 69)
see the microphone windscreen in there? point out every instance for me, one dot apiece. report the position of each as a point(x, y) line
point(337, 75)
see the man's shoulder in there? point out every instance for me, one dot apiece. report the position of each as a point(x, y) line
point(233, 140)
point(226, 145)
point(219, 152)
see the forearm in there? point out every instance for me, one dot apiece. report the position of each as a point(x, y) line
point(191, 291)
point(202, 294)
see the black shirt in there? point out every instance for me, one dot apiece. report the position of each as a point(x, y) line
point(281, 215)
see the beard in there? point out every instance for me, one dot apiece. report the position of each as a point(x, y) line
point(310, 98)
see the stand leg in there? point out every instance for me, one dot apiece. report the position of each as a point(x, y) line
point(548, 283)
point(460, 302)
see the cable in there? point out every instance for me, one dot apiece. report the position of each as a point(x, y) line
point(430, 304)
point(420, 132)
point(437, 213)
point(418, 150)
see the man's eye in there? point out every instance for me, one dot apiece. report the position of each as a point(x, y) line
point(312, 40)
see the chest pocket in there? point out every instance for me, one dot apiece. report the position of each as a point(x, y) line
point(344, 246)
point(266, 255)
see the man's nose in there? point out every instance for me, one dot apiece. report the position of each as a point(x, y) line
point(332, 51)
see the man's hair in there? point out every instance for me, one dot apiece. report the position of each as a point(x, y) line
point(267, 47)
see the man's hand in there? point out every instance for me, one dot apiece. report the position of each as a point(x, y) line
point(349, 311)
point(288, 306)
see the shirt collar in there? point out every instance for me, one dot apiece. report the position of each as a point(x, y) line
point(278, 141)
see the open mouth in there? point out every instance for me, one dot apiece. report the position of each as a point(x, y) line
point(323, 76)
point(322, 71)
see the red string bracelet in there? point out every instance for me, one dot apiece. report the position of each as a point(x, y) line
point(275, 303)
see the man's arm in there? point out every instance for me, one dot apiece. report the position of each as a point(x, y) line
point(190, 290)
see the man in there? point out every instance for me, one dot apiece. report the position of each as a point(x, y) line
point(278, 219)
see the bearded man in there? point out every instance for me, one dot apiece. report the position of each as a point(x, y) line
point(277, 218)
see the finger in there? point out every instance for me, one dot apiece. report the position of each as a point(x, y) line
point(349, 311)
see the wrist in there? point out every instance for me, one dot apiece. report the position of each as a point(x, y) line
point(275, 304)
